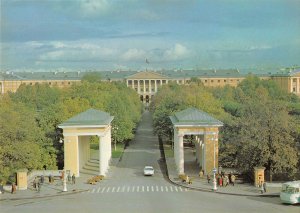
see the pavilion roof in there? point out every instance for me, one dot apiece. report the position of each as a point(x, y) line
point(91, 117)
point(194, 117)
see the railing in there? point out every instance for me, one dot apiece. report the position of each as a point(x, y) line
point(45, 173)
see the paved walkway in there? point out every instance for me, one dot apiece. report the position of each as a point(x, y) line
point(192, 170)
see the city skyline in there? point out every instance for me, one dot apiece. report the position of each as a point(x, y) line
point(150, 34)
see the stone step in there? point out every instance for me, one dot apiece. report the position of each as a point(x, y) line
point(91, 168)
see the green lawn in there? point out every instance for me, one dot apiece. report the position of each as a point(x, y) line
point(168, 151)
point(119, 151)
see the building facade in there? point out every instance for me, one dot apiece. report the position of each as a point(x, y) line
point(146, 83)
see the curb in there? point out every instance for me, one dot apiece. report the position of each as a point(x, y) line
point(45, 196)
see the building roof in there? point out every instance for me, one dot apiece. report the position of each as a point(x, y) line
point(194, 117)
point(91, 117)
point(287, 73)
point(119, 75)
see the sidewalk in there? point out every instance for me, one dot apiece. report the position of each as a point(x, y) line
point(54, 189)
point(200, 184)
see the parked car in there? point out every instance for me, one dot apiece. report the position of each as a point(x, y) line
point(148, 171)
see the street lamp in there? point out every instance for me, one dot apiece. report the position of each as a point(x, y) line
point(61, 141)
point(214, 170)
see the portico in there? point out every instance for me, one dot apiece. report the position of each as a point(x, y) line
point(205, 130)
point(76, 133)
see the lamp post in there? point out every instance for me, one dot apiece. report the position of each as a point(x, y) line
point(214, 170)
point(61, 141)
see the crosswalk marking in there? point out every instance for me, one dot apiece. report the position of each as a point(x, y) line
point(137, 189)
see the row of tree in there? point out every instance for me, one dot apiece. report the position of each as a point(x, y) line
point(261, 122)
point(29, 137)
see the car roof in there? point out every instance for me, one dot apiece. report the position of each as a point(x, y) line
point(148, 167)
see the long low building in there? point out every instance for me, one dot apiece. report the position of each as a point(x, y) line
point(146, 83)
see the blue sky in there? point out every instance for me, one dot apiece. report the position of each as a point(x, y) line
point(171, 34)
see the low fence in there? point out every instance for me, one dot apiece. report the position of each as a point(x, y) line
point(37, 173)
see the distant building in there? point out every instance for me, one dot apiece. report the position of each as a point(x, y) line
point(146, 83)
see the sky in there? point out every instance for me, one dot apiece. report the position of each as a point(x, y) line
point(169, 34)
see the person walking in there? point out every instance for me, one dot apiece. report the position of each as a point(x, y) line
point(233, 179)
point(226, 180)
point(69, 178)
point(208, 178)
point(13, 188)
point(73, 178)
point(39, 186)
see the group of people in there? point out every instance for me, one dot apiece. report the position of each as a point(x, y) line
point(223, 179)
point(71, 179)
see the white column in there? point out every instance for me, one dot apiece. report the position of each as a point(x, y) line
point(155, 86)
point(144, 83)
point(204, 156)
point(150, 88)
point(109, 144)
point(180, 154)
point(127, 82)
point(132, 84)
point(291, 85)
point(101, 155)
point(197, 147)
point(176, 152)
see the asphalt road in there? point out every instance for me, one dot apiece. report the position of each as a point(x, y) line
point(127, 190)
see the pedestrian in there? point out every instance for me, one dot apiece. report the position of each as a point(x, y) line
point(13, 188)
point(69, 178)
point(62, 177)
point(39, 186)
point(50, 178)
point(201, 173)
point(229, 177)
point(265, 186)
point(226, 180)
point(208, 178)
point(261, 186)
point(42, 179)
point(35, 183)
point(232, 179)
point(73, 178)
point(220, 181)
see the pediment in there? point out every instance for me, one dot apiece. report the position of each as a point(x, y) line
point(147, 75)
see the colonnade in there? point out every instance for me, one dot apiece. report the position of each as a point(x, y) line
point(206, 148)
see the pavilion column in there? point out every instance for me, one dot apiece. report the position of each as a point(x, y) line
point(197, 148)
point(155, 86)
point(103, 156)
point(71, 154)
point(150, 87)
point(176, 152)
point(291, 90)
point(180, 155)
point(132, 84)
point(144, 83)
point(109, 144)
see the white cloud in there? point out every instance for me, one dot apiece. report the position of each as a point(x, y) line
point(133, 55)
point(176, 53)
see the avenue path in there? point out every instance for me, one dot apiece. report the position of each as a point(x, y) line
point(127, 190)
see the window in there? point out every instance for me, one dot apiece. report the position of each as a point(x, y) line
point(205, 81)
point(212, 81)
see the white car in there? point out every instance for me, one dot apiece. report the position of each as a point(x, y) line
point(148, 171)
